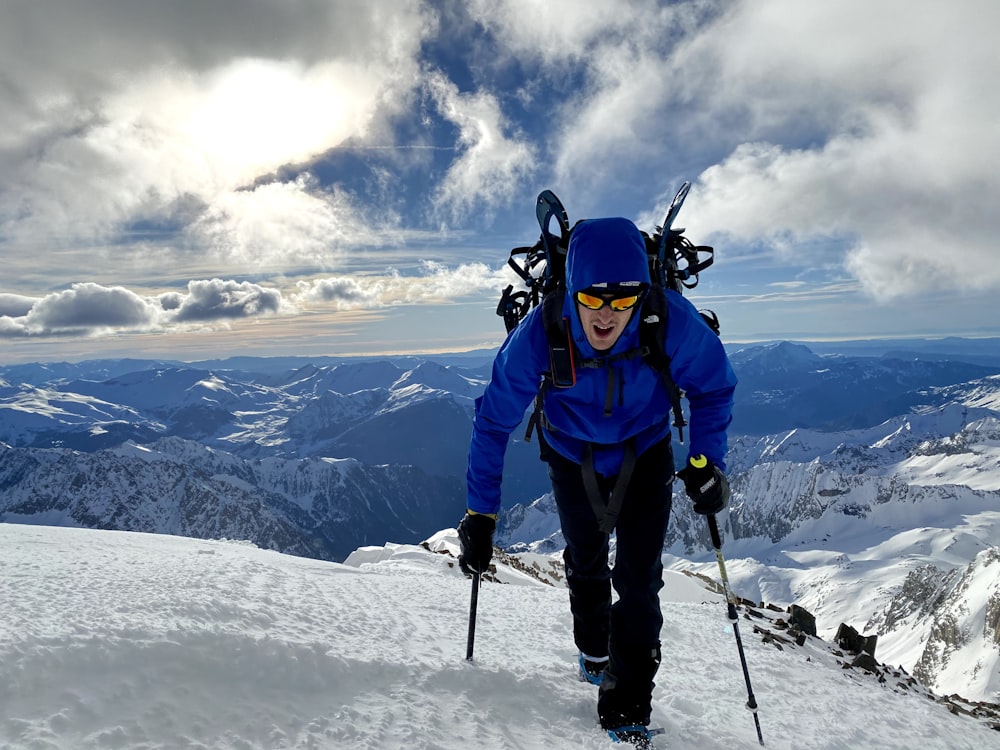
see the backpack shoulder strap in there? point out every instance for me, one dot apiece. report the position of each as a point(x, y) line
point(653, 343)
point(562, 352)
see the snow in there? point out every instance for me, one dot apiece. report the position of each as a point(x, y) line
point(126, 640)
point(846, 569)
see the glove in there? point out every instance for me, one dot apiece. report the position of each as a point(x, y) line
point(706, 485)
point(475, 532)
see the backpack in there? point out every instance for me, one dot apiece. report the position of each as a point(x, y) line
point(674, 263)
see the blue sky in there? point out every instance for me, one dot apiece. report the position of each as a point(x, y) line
point(192, 179)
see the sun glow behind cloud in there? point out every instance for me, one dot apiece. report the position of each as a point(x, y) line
point(173, 139)
point(255, 115)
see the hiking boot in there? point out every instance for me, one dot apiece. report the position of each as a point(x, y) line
point(632, 734)
point(591, 669)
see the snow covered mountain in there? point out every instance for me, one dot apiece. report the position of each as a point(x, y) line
point(316, 409)
point(889, 524)
point(315, 507)
point(785, 386)
point(894, 529)
point(126, 640)
point(373, 411)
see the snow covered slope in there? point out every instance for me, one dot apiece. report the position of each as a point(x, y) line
point(126, 640)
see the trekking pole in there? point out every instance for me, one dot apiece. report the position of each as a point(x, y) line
point(734, 617)
point(471, 642)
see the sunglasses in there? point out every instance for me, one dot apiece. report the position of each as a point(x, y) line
point(618, 304)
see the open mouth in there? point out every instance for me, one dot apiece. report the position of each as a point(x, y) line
point(601, 332)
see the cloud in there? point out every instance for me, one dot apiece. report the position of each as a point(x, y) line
point(873, 136)
point(143, 143)
point(216, 299)
point(437, 283)
point(610, 64)
point(845, 129)
point(441, 282)
point(89, 309)
point(15, 305)
point(282, 224)
point(171, 136)
point(344, 293)
point(491, 163)
point(130, 113)
point(903, 229)
point(561, 31)
point(85, 308)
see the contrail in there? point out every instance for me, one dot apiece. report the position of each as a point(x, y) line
point(394, 148)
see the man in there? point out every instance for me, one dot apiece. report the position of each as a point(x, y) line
point(606, 440)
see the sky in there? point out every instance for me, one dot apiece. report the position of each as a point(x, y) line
point(123, 640)
point(193, 180)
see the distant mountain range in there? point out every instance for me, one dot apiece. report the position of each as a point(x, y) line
point(312, 507)
point(866, 488)
point(417, 412)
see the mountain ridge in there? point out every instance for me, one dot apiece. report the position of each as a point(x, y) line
point(286, 459)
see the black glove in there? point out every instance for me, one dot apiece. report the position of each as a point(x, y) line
point(707, 487)
point(475, 533)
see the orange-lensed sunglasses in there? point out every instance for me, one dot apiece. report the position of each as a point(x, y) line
point(618, 304)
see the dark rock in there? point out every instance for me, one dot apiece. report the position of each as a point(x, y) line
point(850, 640)
point(802, 618)
point(866, 662)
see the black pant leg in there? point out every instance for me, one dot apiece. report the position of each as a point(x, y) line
point(636, 617)
point(588, 575)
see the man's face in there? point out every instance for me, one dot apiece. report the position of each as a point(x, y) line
point(603, 327)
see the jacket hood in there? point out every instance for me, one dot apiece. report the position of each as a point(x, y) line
point(609, 253)
point(606, 252)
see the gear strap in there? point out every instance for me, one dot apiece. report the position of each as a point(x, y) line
point(607, 515)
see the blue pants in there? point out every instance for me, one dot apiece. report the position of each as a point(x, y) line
point(628, 631)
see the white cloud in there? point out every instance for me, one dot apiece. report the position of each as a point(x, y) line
point(85, 308)
point(445, 283)
point(217, 299)
point(907, 166)
point(15, 305)
point(561, 31)
point(437, 283)
point(170, 135)
point(859, 124)
point(910, 221)
point(89, 309)
point(143, 142)
point(342, 292)
point(281, 224)
point(862, 120)
point(132, 112)
point(491, 163)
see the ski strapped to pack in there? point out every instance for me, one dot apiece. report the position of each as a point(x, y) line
point(674, 264)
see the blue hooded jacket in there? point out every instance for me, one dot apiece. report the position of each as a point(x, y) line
point(602, 252)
